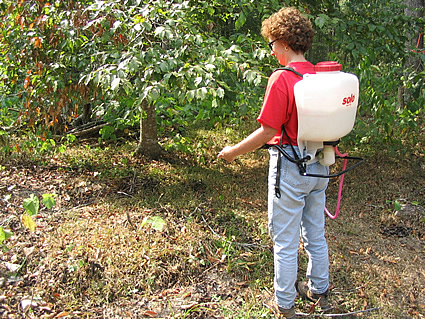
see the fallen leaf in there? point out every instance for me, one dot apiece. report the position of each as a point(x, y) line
point(187, 295)
point(168, 292)
point(28, 251)
point(12, 267)
point(28, 222)
point(62, 314)
point(46, 307)
point(397, 280)
point(312, 308)
point(212, 260)
point(151, 314)
point(189, 306)
point(5, 306)
point(242, 284)
point(28, 303)
point(384, 293)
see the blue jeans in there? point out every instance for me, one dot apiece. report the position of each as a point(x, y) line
point(298, 212)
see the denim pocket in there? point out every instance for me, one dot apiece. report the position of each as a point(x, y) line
point(290, 174)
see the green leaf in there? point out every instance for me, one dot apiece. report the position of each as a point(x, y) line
point(31, 205)
point(220, 92)
point(28, 222)
point(241, 21)
point(4, 235)
point(107, 132)
point(163, 66)
point(397, 205)
point(115, 83)
point(154, 94)
point(49, 201)
point(160, 31)
point(210, 67)
point(191, 95)
point(321, 20)
point(372, 27)
point(156, 222)
point(202, 93)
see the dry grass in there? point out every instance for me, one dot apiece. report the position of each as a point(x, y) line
point(92, 257)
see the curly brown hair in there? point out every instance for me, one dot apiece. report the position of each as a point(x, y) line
point(290, 25)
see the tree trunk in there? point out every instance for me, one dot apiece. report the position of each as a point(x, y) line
point(148, 142)
point(414, 10)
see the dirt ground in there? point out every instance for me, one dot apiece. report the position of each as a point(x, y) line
point(377, 246)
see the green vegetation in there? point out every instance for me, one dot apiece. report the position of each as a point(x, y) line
point(186, 236)
point(85, 86)
point(170, 64)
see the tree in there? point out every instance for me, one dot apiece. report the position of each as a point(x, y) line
point(148, 141)
point(414, 45)
point(369, 39)
point(41, 61)
point(166, 64)
point(129, 60)
point(171, 63)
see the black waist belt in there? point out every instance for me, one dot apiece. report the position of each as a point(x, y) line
point(301, 161)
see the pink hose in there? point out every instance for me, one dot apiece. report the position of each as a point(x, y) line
point(341, 183)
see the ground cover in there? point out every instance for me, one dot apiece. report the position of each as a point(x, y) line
point(185, 236)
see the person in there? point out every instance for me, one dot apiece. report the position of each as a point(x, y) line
point(297, 207)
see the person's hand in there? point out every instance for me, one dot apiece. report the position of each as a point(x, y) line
point(227, 154)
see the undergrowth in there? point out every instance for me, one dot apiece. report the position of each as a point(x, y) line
point(95, 255)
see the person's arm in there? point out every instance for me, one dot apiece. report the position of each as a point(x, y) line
point(254, 141)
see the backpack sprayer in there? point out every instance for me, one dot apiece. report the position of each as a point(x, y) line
point(326, 106)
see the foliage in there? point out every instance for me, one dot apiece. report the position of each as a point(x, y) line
point(41, 61)
point(4, 236)
point(215, 243)
point(369, 39)
point(175, 64)
point(155, 222)
point(193, 60)
point(31, 206)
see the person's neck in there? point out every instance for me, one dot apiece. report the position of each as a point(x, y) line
point(297, 58)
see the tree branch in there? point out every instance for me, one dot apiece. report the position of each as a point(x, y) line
point(337, 314)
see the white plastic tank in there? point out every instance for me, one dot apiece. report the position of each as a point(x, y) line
point(326, 105)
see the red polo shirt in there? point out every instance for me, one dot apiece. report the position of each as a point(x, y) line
point(279, 102)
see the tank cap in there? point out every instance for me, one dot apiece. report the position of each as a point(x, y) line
point(327, 66)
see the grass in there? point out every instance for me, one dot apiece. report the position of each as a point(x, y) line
point(92, 256)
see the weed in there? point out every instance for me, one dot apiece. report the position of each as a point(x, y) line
point(139, 235)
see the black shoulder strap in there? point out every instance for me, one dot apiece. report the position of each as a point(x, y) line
point(290, 69)
point(283, 126)
point(277, 188)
